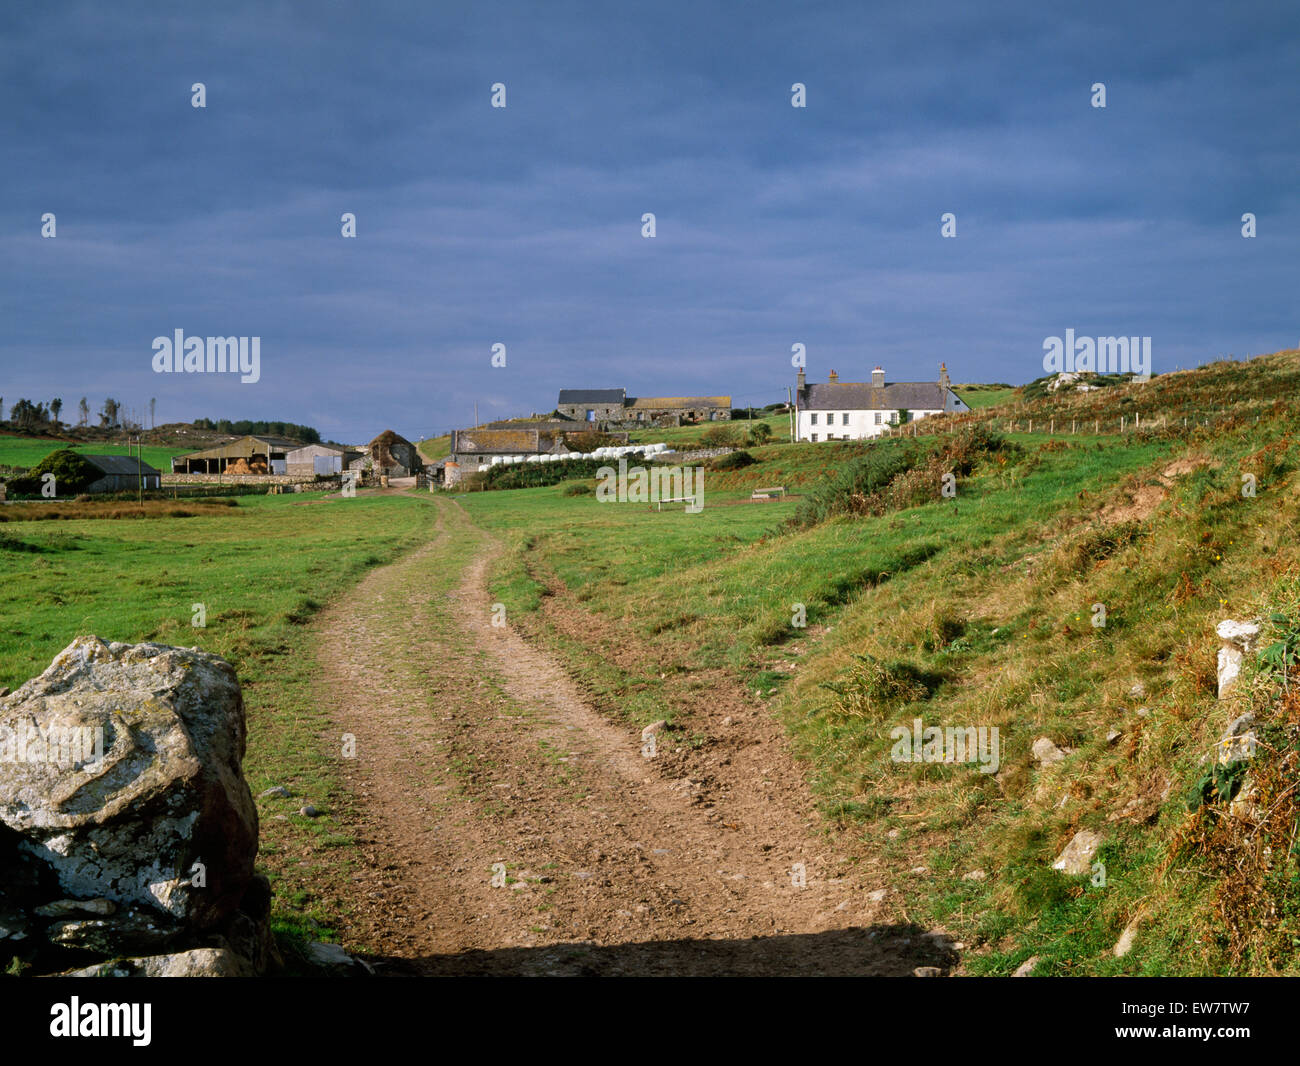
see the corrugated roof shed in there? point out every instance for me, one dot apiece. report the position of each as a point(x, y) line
point(241, 447)
point(122, 464)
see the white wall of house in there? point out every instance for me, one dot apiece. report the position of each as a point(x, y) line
point(849, 425)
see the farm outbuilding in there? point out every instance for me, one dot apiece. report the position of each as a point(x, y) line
point(122, 473)
point(591, 405)
point(678, 410)
point(389, 455)
point(247, 455)
point(320, 459)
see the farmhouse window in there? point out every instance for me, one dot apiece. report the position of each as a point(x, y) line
point(812, 418)
point(877, 418)
point(814, 437)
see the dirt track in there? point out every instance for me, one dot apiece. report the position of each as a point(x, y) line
point(477, 749)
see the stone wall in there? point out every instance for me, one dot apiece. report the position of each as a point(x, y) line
point(236, 479)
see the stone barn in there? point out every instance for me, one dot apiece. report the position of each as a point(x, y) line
point(592, 405)
point(677, 410)
point(389, 455)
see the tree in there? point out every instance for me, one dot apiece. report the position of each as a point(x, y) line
point(84, 407)
point(2, 408)
point(56, 406)
point(153, 403)
point(25, 414)
point(759, 432)
point(108, 413)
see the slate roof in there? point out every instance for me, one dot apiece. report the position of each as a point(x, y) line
point(862, 396)
point(599, 396)
point(121, 464)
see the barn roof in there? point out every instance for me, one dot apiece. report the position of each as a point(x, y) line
point(242, 447)
point(502, 441)
point(680, 401)
point(315, 449)
point(388, 438)
point(121, 464)
point(592, 395)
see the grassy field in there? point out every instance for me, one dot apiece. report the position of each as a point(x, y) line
point(261, 570)
point(973, 610)
point(979, 611)
point(26, 452)
point(978, 397)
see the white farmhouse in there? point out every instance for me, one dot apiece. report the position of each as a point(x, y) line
point(854, 410)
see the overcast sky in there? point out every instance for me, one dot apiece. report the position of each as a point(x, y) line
point(522, 225)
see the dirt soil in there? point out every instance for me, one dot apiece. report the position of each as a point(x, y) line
point(476, 749)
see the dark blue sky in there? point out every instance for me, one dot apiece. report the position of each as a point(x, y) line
point(776, 225)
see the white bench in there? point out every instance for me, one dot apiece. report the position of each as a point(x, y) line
point(766, 494)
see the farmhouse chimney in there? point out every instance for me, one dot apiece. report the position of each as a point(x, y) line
point(834, 378)
point(877, 378)
point(943, 376)
point(801, 381)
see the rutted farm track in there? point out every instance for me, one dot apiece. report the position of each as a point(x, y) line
point(474, 748)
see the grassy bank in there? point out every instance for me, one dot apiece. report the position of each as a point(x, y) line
point(977, 610)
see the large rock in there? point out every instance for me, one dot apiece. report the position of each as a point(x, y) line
point(120, 769)
point(197, 962)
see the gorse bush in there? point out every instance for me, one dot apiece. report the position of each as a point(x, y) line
point(899, 473)
point(721, 436)
point(731, 461)
point(72, 474)
point(855, 481)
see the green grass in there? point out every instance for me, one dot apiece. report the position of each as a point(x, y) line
point(968, 611)
point(27, 452)
point(989, 596)
point(261, 572)
point(689, 436)
point(978, 397)
point(435, 448)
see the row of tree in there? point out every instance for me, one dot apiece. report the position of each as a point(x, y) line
point(28, 414)
point(245, 426)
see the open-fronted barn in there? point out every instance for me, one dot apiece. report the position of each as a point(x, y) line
point(248, 455)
